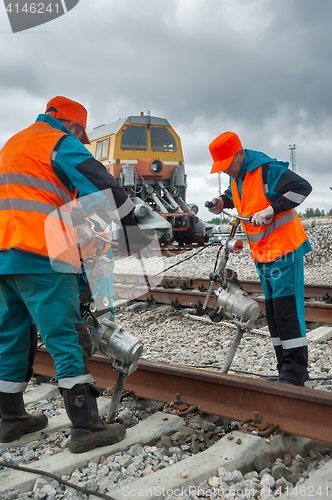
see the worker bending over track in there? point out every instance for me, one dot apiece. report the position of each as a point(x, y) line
point(42, 170)
point(267, 191)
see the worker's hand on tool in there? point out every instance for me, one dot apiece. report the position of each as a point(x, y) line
point(218, 204)
point(133, 240)
point(78, 216)
point(263, 217)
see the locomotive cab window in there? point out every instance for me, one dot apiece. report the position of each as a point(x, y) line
point(102, 149)
point(135, 138)
point(162, 139)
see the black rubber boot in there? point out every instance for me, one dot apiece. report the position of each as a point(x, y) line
point(15, 421)
point(88, 431)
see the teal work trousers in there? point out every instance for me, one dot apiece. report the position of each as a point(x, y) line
point(284, 304)
point(50, 300)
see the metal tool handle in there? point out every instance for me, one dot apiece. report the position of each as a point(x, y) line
point(209, 204)
point(235, 344)
point(237, 216)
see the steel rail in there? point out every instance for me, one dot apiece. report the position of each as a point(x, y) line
point(296, 410)
point(314, 311)
point(311, 290)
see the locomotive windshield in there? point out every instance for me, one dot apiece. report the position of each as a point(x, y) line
point(135, 137)
point(162, 139)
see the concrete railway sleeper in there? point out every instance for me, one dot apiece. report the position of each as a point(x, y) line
point(162, 456)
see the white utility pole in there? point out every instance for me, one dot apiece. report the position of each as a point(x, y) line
point(292, 148)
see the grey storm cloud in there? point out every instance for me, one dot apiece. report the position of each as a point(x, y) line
point(258, 67)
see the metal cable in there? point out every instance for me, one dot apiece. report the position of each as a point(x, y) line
point(162, 272)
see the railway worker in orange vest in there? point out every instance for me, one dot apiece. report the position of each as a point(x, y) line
point(42, 169)
point(266, 190)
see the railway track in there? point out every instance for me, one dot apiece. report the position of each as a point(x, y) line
point(165, 250)
point(295, 410)
point(288, 410)
point(232, 451)
point(187, 292)
point(215, 393)
point(299, 410)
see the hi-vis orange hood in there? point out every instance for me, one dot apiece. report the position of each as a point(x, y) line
point(283, 235)
point(33, 210)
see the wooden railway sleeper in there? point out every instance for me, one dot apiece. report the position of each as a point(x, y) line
point(179, 407)
point(257, 426)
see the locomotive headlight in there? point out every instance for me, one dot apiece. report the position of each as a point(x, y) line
point(156, 167)
point(140, 210)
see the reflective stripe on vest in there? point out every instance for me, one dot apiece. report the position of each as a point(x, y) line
point(272, 227)
point(283, 235)
point(29, 180)
point(35, 205)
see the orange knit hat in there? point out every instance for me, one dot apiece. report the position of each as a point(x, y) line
point(223, 149)
point(66, 109)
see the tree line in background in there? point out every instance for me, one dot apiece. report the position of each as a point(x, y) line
point(314, 212)
point(309, 213)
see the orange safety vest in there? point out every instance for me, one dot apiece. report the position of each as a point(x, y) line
point(34, 213)
point(283, 235)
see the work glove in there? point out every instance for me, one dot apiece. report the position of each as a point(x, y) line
point(134, 241)
point(218, 204)
point(263, 217)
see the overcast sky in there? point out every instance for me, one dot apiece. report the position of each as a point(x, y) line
point(260, 68)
